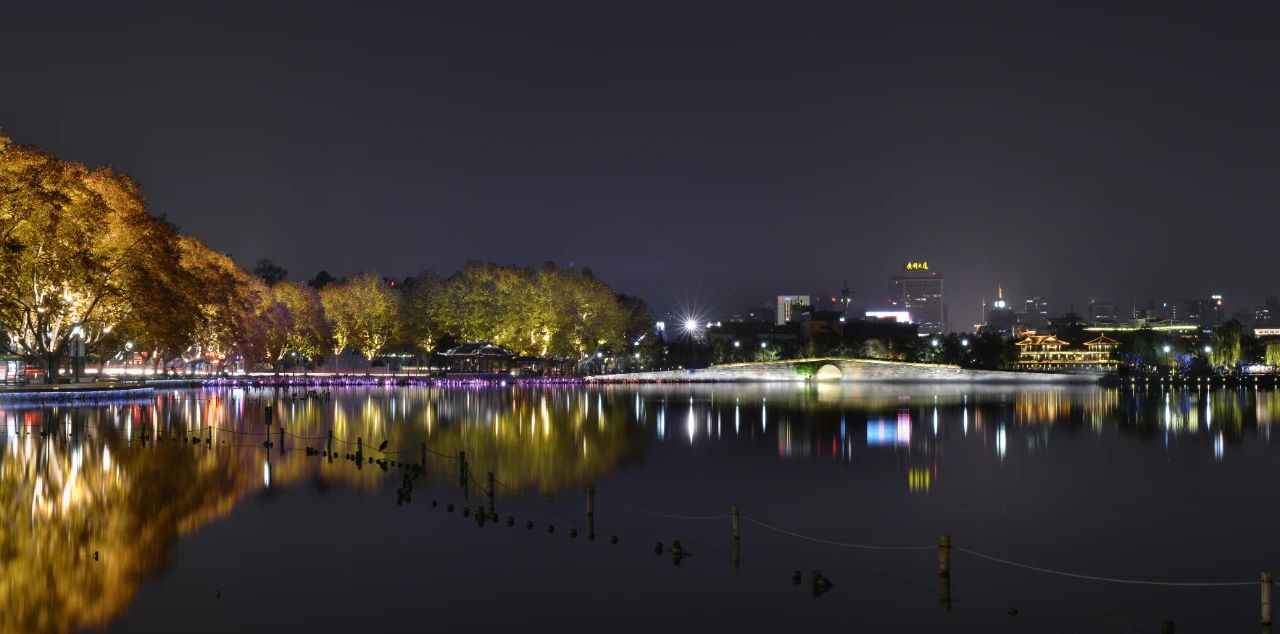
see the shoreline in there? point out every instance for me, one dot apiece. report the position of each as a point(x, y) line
point(838, 370)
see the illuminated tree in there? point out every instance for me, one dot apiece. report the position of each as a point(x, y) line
point(231, 304)
point(1272, 354)
point(79, 256)
point(417, 329)
point(1227, 349)
point(363, 313)
point(490, 302)
point(545, 312)
point(308, 331)
point(340, 315)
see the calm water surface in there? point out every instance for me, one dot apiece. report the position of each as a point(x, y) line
point(170, 515)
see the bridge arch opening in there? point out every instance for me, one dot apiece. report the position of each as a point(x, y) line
point(828, 372)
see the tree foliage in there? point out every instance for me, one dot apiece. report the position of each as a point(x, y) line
point(363, 313)
point(548, 311)
point(1272, 354)
point(81, 257)
point(1227, 349)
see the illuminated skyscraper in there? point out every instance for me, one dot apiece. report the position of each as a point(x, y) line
point(1001, 319)
point(918, 290)
point(1035, 310)
point(789, 307)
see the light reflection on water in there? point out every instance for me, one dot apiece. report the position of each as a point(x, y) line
point(125, 480)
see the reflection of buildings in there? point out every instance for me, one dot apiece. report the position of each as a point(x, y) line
point(1047, 352)
point(918, 291)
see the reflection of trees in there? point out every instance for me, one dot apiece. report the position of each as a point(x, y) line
point(527, 446)
point(126, 481)
point(1150, 413)
point(546, 440)
point(71, 495)
point(95, 484)
point(63, 499)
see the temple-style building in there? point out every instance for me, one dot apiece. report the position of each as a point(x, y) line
point(1049, 353)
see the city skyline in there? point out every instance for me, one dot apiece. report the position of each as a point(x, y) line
point(1035, 299)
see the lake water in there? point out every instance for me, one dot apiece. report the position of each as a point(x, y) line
point(169, 514)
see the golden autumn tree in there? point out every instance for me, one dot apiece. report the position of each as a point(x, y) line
point(79, 255)
point(233, 305)
point(418, 331)
point(545, 312)
point(363, 313)
point(307, 331)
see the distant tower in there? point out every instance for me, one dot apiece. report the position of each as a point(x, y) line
point(845, 296)
point(1001, 320)
point(918, 289)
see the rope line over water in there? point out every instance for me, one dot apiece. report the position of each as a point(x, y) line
point(831, 542)
point(661, 514)
point(1139, 582)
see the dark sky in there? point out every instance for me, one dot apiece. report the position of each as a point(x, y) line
point(685, 151)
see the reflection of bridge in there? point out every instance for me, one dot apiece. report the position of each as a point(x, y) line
point(849, 370)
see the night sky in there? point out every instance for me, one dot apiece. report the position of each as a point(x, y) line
point(688, 152)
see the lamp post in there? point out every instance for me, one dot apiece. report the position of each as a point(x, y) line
point(691, 331)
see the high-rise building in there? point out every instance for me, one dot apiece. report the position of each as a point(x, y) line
point(1158, 311)
point(1103, 312)
point(1206, 313)
point(1000, 319)
point(1035, 310)
point(918, 291)
point(790, 306)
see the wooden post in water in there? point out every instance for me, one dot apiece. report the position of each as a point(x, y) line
point(737, 541)
point(282, 440)
point(944, 572)
point(1265, 586)
point(591, 511)
point(462, 472)
point(359, 450)
point(330, 448)
point(488, 482)
point(208, 442)
point(944, 555)
point(268, 412)
point(424, 458)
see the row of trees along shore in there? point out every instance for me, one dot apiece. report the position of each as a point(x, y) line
point(81, 259)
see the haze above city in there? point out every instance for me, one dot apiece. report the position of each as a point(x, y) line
point(690, 157)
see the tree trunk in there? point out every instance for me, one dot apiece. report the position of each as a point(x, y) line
point(51, 367)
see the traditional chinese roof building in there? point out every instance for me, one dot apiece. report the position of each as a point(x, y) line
point(479, 356)
point(1049, 353)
